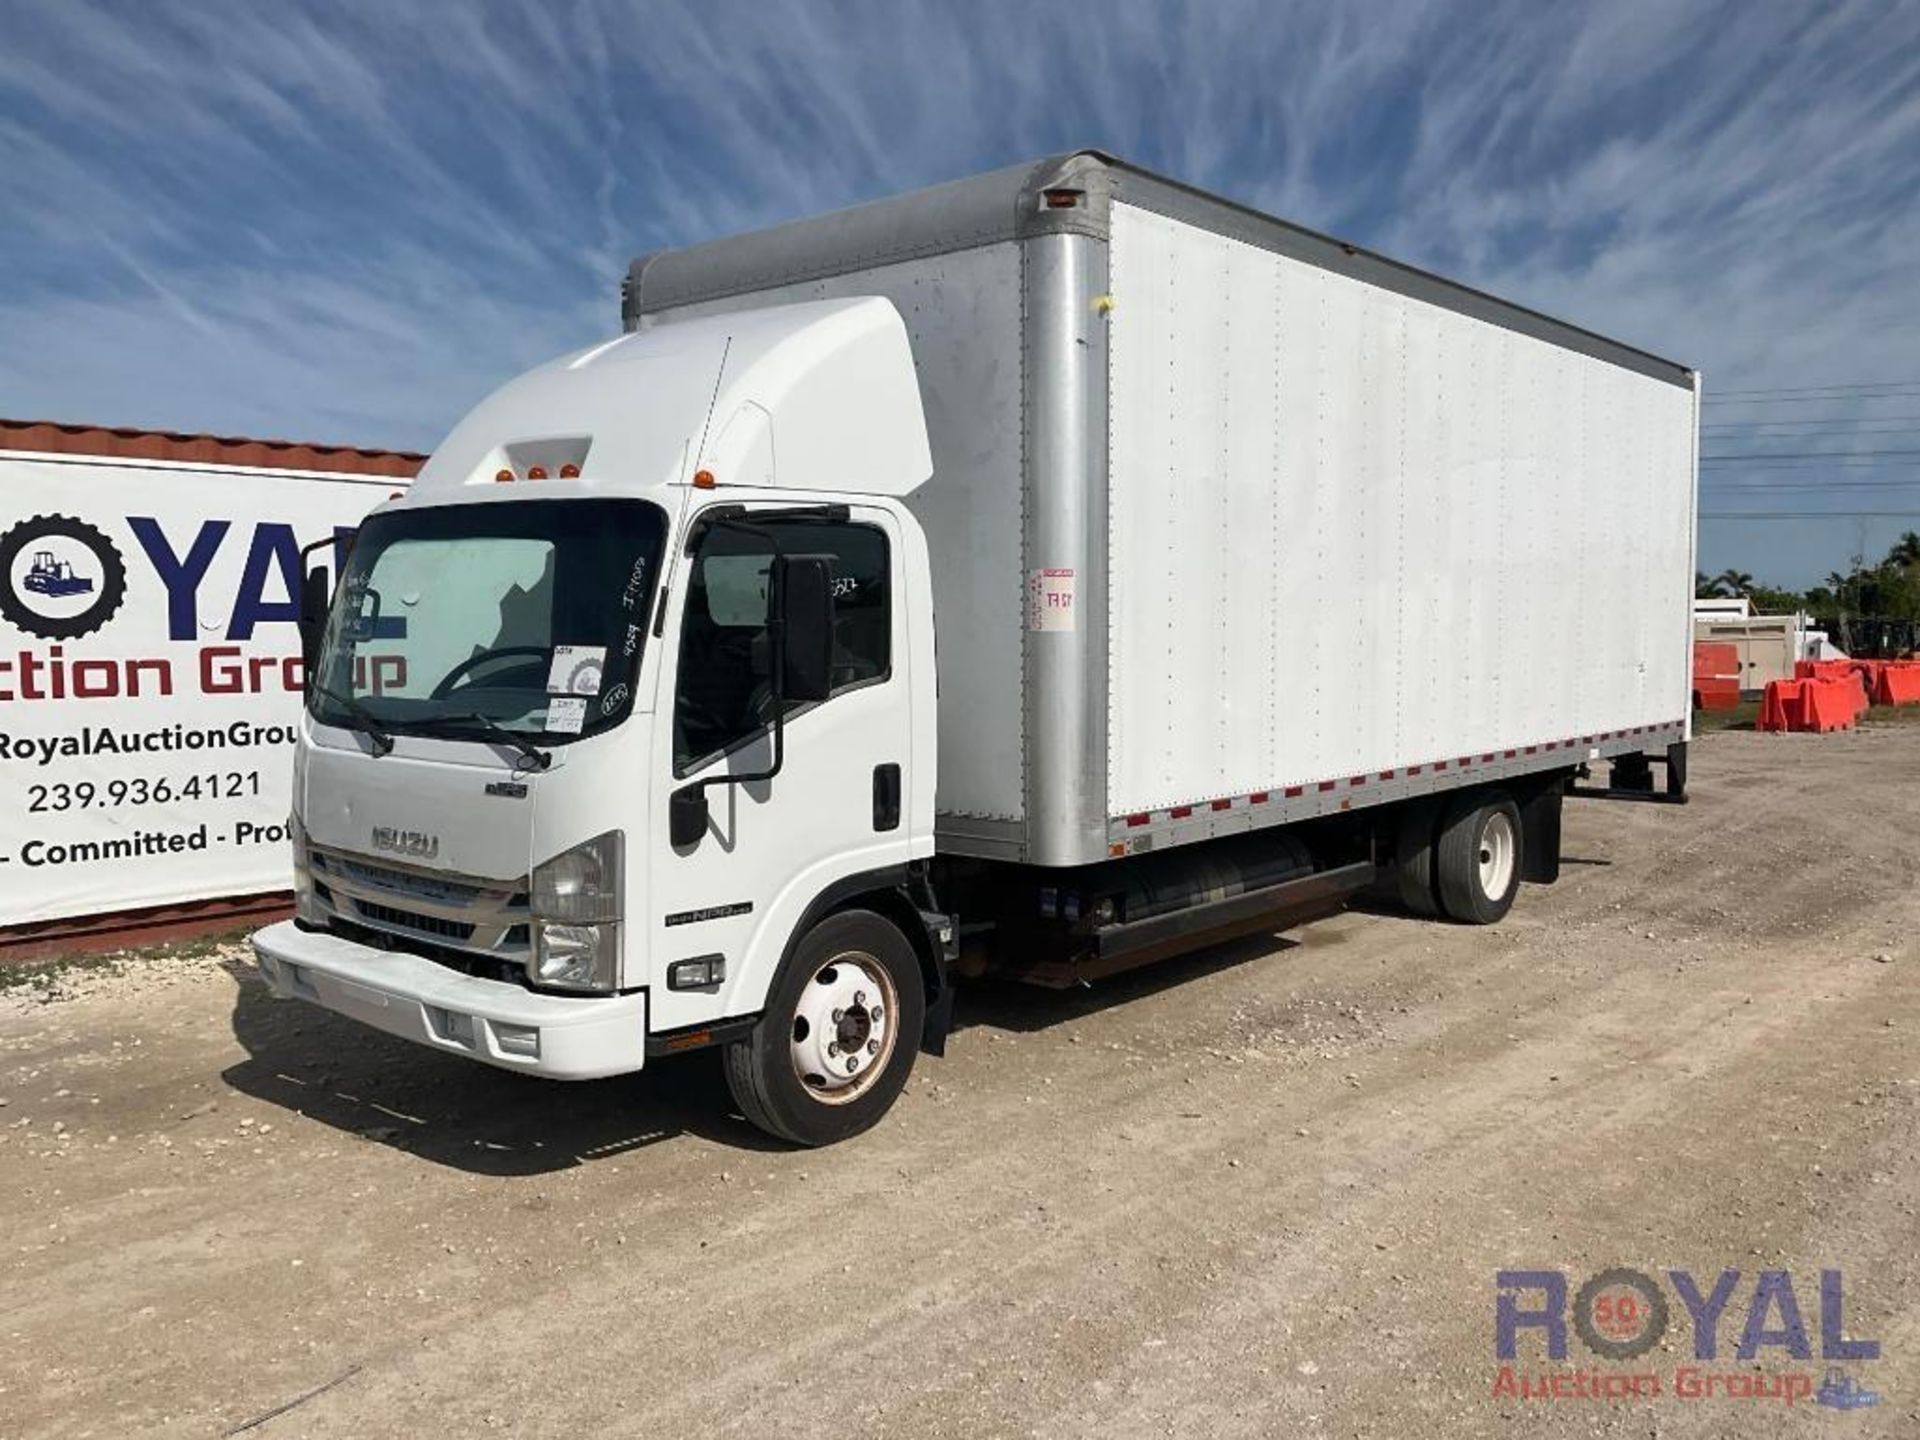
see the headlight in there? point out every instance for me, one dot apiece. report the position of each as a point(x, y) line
point(576, 906)
point(576, 957)
point(582, 886)
point(306, 905)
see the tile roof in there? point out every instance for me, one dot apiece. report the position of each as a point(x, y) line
point(131, 444)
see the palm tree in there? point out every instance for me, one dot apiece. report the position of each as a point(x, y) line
point(1706, 588)
point(1906, 551)
point(1736, 582)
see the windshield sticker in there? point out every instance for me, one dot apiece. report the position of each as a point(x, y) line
point(614, 699)
point(566, 715)
point(576, 669)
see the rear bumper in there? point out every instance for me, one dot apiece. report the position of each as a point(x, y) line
point(559, 1036)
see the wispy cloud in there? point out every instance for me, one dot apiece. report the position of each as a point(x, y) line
point(347, 222)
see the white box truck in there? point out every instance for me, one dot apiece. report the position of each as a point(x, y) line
point(1049, 571)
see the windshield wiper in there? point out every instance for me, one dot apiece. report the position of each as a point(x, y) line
point(499, 734)
point(382, 740)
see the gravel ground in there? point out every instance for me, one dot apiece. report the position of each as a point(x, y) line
point(1260, 1191)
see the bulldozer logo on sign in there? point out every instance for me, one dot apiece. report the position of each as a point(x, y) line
point(60, 578)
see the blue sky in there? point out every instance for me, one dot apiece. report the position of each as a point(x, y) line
point(346, 221)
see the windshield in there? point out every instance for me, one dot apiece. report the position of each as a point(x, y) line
point(529, 615)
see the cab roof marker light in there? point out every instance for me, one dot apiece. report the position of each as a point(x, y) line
point(503, 477)
point(703, 480)
point(569, 472)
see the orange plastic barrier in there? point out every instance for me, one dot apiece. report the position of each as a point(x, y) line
point(1826, 669)
point(1712, 693)
point(1898, 683)
point(1814, 705)
point(1715, 659)
point(1716, 675)
point(1886, 682)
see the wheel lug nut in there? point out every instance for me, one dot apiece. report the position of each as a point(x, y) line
point(833, 1047)
point(859, 997)
point(853, 1063)
point(875, 1012)
point(873, 1047)
point(838, 1016)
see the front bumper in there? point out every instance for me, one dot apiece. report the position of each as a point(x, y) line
point(563, 1037)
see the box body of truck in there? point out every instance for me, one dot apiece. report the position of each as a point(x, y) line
point(1233, 525)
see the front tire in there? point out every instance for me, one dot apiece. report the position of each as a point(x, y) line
point(1478, 858)
point(837, 1042)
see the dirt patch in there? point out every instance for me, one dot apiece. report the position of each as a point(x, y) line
point(1259, 1191)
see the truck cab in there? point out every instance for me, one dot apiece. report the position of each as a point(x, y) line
point(620, 725)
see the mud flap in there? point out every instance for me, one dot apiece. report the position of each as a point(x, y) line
point(1540, 835)
point(939, 1022)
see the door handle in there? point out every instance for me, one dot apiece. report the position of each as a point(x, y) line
point(886, 797)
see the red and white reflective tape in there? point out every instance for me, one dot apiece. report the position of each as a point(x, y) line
point(1403, 772)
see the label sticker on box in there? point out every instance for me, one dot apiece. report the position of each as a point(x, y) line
point(1050, 600)
point(566, 714)
point(576, 669)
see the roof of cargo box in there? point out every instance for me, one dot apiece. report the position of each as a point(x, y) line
point(1062, 194)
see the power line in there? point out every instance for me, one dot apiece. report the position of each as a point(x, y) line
point(1769, 456)
point(1807, 515)
point(1875, 425)
point(1854, 388)
point(1718, 485)
point(1805, 399)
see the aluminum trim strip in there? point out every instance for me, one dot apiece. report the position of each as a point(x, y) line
point(1201, 819)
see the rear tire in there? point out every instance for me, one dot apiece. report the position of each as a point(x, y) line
point(837, 1042)
point(1479, 857)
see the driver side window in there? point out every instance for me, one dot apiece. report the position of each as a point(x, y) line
point(724, 693)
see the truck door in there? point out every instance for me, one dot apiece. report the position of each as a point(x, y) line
point(836, 807)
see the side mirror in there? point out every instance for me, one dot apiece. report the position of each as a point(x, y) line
point(316, 594)
point(687, 816)
point(806, 595)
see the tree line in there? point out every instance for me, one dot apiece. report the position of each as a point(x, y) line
point(1889, 589)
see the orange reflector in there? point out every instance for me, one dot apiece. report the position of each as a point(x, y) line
point(1062, 199)
point(502, 477)
point(569, 472)
point(688, 1042)
point(703, 480)
point(536, 472)
point(394, 496)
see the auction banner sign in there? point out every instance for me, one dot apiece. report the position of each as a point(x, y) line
point(150, 675)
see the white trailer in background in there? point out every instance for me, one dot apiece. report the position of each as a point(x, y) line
point(1263, 571)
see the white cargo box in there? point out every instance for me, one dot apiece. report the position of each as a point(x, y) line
point(1233, 524)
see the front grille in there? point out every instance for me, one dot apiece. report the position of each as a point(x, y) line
point(466, 962)
point(427, 887)
point(411, 920)
point(482, 917)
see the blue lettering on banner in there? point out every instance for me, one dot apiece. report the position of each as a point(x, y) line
point(181, 577)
